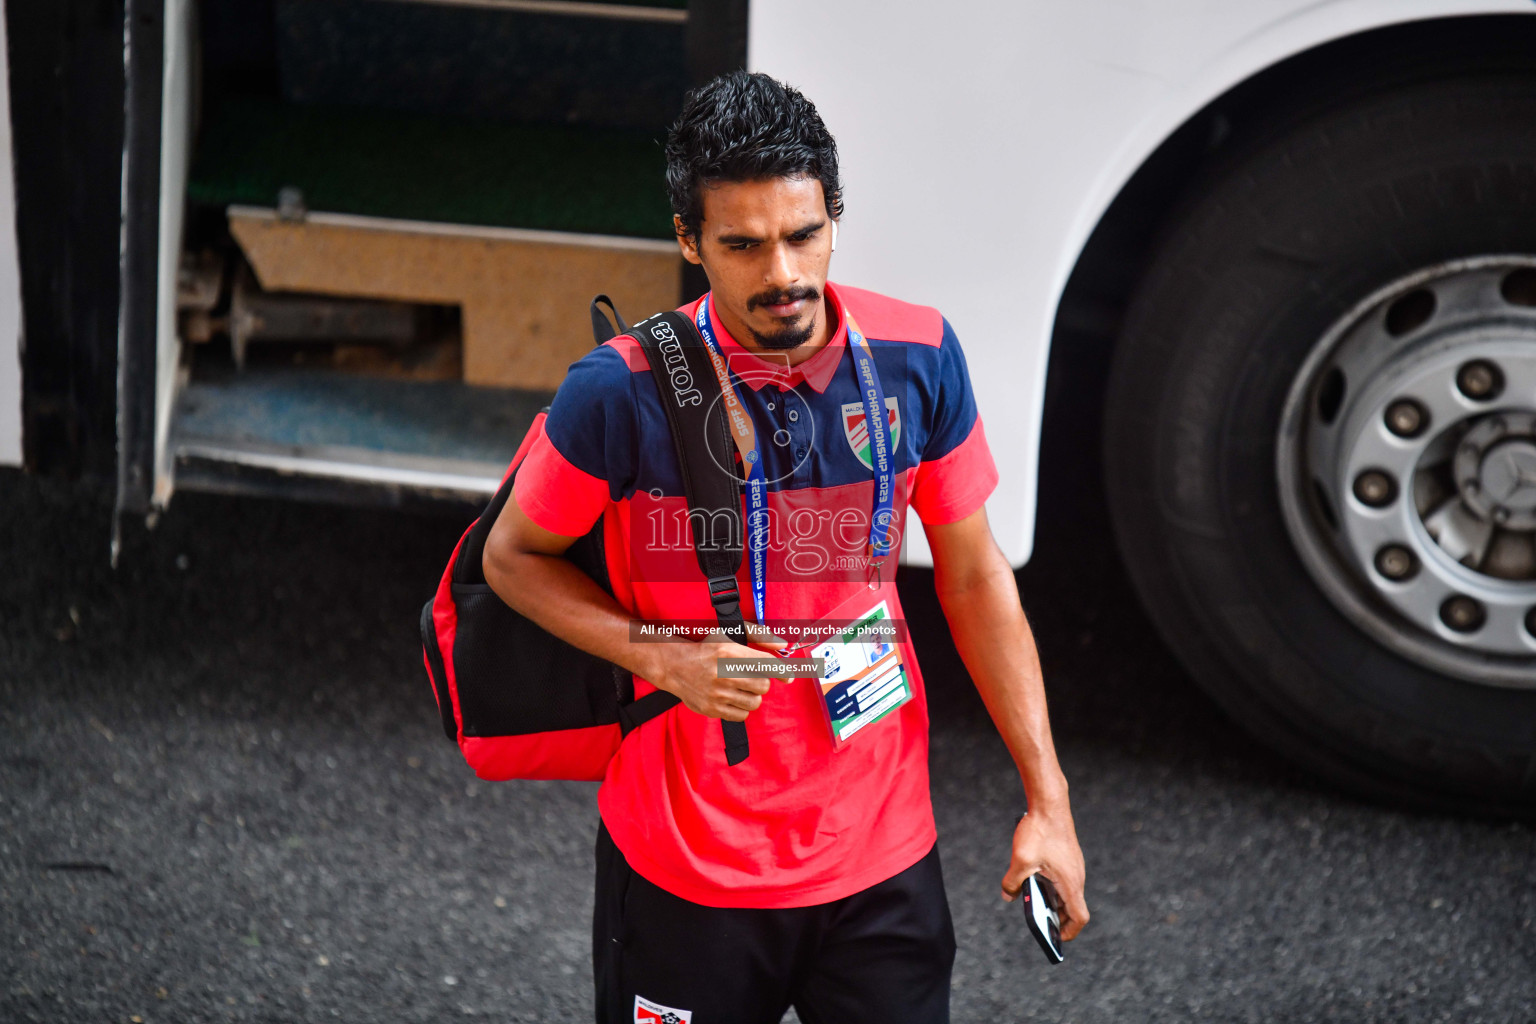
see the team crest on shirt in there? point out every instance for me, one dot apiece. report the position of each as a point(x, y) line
point(857, 431)
point(647, 1012)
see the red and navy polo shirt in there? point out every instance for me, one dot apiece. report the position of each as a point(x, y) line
point(798, 822)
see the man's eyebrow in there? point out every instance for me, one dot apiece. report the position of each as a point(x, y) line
point(752, 239)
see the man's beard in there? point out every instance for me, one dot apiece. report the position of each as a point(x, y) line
point(792, 335)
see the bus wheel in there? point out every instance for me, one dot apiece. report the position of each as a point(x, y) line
point(1321, 441)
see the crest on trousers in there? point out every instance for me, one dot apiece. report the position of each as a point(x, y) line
point(647, 1012)
point(856, 430)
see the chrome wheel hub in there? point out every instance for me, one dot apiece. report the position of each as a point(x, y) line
point(1495, 469)
point(1407, 462)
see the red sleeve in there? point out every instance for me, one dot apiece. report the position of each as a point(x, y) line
point(555, 494)
point(950, 488)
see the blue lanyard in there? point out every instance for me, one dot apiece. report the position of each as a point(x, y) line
point(881, 456)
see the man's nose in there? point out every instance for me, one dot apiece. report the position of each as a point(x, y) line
point(780, 271)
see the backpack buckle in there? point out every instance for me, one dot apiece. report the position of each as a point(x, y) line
point(726, 598)
point(723, 591)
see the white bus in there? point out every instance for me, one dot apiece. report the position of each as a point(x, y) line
point(1274, 261)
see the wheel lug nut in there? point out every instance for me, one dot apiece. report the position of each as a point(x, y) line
point(1375, 488)
point(1396, 562)
point(1479, 380)
point(1500, 514)
point(1406, 418)
point(1462, 614)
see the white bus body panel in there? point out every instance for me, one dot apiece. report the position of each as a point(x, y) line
point(10, 277)
point(982, 140)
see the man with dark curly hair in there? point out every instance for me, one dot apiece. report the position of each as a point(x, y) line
point(807, 874)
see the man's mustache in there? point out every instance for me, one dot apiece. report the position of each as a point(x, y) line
point(782, 298)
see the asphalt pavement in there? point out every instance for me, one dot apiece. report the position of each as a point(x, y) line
point(224, 796)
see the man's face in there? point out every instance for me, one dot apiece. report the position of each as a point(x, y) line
point(765, 246)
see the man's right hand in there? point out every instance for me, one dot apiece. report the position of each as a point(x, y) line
point(689, 671)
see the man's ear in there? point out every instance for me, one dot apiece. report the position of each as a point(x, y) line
point(689, 244)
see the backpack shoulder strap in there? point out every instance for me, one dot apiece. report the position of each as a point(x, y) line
point(685, 377)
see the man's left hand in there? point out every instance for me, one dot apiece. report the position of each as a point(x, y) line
point(1045, 841)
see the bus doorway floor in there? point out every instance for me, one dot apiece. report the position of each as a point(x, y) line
point(254, 430)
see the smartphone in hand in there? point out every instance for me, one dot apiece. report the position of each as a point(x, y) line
point(1042, 909)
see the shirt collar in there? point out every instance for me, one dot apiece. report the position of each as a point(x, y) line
point(757, 371)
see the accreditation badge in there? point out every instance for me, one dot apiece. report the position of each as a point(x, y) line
point(864, 678)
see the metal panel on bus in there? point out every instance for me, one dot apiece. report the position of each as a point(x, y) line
point(175, 149)
point(10, 280)
point(156, 147)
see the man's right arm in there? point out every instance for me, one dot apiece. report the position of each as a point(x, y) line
point(524, 565)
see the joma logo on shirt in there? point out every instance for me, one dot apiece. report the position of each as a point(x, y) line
point(676, 366)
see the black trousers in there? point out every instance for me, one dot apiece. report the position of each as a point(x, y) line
point(881, 955)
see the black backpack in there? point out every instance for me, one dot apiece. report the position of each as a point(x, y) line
point(524, 704)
